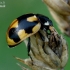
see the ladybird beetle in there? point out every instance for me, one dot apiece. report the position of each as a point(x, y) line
point(25, 26)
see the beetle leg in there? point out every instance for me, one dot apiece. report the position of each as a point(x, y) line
point(28, 46)
point(41, 36)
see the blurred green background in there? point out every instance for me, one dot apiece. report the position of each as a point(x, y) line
point(13, 9)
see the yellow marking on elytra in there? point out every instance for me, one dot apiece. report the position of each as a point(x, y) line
point(10, 41)
point(14, 24)
point(32, 18)
point(36, 28)
point(22, 34)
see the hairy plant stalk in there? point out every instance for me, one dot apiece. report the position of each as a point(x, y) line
point(60, 10)
point(47, 52)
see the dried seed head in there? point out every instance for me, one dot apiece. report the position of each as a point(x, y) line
point(60, 10)
point(49, 53)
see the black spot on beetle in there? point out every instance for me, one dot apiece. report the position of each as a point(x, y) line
point(13, 35)
point(26, 25)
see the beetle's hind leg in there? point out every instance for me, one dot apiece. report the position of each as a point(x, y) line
point(28, 46)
